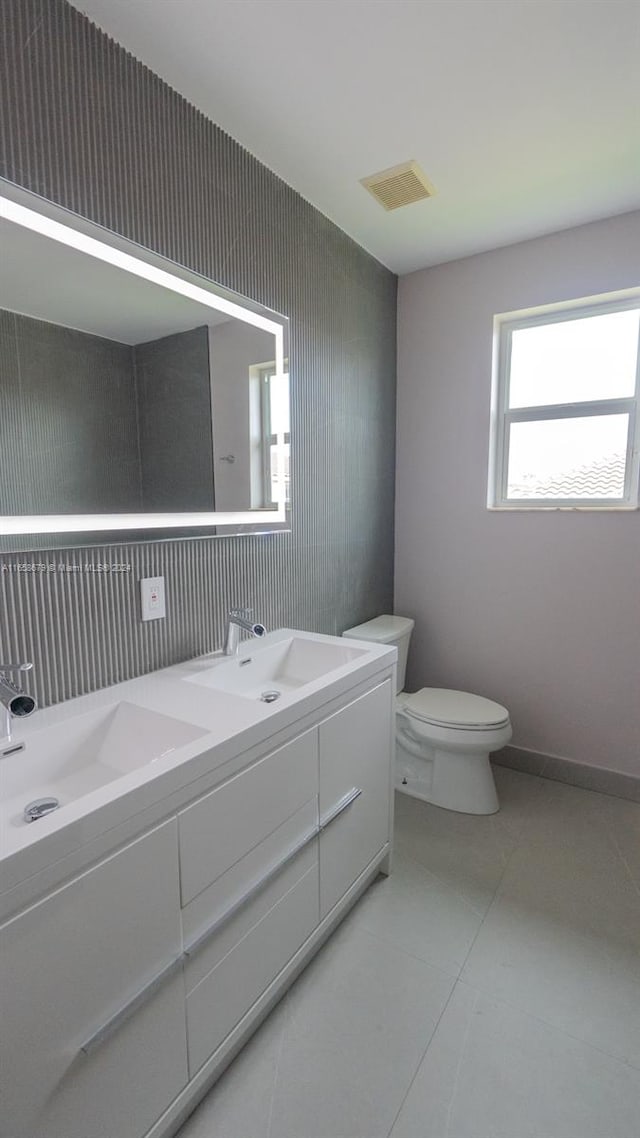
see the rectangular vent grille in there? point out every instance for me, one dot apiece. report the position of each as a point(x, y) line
point(399, 186)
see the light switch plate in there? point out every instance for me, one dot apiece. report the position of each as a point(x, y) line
point(152, 601)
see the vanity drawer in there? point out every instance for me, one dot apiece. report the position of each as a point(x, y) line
point(242, 974)
point(222, 827)
point(242, 895)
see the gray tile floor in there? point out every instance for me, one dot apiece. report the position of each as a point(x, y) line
point(490, 988)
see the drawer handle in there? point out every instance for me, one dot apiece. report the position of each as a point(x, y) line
point(111, 1026)
point(339, 808)
point(252, 891)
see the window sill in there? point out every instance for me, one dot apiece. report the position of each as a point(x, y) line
point(549, 508)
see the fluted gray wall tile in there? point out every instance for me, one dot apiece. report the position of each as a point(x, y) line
point(87, 126)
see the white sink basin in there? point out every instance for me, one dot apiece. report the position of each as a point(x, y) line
point(268, 671)
point(80, 755)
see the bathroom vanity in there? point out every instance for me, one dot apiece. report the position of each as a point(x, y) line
point(152, 921)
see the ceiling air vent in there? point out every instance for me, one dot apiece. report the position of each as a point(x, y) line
point(398, 186)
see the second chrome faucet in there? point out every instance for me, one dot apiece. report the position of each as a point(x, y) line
point(236, 619)
point(14, 702)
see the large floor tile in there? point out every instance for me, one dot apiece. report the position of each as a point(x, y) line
point(584, 880)
point(465, 852)
point(562, 942)
point(494, 1072)
point(415, 912)
point(359, 1021)
point(518, 795)
point(560, 813)
point(621, 819)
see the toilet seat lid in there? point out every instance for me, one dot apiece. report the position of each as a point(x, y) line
point(446, 708)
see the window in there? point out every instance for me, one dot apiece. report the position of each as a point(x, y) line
point(275, 436)
point(565, 429)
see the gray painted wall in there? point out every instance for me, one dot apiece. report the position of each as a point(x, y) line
point(235, 348)
point(92, 426)
point(89, 127)
point(538, 610)
point(73, 395)
point(174, 422)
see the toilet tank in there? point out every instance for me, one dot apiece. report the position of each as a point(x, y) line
point(387, 630)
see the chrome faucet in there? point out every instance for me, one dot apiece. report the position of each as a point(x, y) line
point(15, 702)
point(237, 619)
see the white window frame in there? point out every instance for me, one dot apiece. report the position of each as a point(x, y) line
point(502, 416)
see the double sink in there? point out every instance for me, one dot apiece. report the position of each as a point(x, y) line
point(82, 753)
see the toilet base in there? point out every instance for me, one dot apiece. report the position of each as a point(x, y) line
point(462, 782)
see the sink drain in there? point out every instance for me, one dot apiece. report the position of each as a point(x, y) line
point(40, 808)
point(270, 696)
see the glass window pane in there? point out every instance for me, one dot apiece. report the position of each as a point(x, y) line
point(572, 361)
point(280, 464)
point(279, 404)
point(568, 458)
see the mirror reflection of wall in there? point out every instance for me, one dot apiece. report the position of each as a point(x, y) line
point(174, 422)
point(91, 425)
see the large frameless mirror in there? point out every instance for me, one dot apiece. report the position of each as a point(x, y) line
point(137, 399)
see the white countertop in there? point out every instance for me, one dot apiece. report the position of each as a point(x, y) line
point(231, 726)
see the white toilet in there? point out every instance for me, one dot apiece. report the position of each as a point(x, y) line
point(443, 738)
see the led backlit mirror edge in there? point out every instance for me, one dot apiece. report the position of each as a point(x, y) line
point(80, 239)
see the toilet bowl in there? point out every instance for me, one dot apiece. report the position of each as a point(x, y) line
point(443, 742)
point(443, 737)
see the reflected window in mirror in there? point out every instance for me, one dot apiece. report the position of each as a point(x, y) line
point(275, 433)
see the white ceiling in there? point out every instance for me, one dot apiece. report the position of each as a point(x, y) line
point(524, 113)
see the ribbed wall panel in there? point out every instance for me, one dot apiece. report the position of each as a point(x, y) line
point(86, 125)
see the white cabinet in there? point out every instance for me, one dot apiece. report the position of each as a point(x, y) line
point(355, 746)
point(126, 990)
point(67, 966)
point(332, 781)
